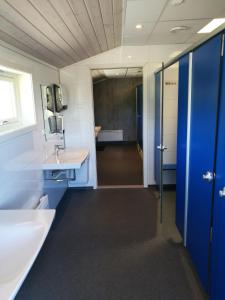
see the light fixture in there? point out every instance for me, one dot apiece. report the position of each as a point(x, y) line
point(129, 56)
point(138, 26)
point(212, 25)
point(177, 2)
point(178, 28)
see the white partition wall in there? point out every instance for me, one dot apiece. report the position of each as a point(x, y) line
point(170, 114)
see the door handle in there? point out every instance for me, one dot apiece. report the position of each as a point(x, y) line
point(161, 147)
point(208, 176)
point(222, 192)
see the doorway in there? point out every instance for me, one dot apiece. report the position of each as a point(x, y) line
point(166, 143)
point(118, 110)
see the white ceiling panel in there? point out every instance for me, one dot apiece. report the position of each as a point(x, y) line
point(135, 40)
point(144, 10)
point(158, 17)
point(130, 28)
point(162, 34)
point(194, 9)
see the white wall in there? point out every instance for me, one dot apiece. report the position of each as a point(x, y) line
point(21, 156)
point(170, 122)
point(80, 117)
point(170, 114)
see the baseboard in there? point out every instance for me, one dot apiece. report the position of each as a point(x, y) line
point(139, 186)
point(80, 188)
point(166, 187)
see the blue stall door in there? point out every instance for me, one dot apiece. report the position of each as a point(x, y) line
point(205, 91)
point(181, 141)
point(218, 233)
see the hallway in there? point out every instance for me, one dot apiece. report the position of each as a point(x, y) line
point(107, 244)
point(119, 165)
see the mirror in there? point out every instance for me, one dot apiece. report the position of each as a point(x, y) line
point(52, 105)
point(58, 99)
point(50, 98)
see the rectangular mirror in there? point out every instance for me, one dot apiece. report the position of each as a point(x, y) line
point(51, 106)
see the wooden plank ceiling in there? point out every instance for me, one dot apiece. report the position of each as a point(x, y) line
point(61, 32)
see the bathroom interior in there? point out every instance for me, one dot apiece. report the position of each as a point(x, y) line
point(112, 137)
point(118, 111)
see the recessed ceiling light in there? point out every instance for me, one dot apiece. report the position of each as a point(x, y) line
point(129, 56)
point(138, 26)
point(212, 25)
point(177, 2)
point(178, 28)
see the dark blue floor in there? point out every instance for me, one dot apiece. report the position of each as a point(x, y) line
point(106, 245)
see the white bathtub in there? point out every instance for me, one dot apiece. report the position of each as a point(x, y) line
point(22, 234)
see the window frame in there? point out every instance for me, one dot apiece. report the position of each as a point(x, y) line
point(10, 77)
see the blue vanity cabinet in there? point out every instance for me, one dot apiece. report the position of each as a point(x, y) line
point(204, 107)
point(181, 141)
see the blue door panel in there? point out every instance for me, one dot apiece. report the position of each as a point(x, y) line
point(205, 88)
point(181, 141)
point(218, 241)
point(157, 126)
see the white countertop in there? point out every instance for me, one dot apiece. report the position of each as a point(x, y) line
point(67, 159)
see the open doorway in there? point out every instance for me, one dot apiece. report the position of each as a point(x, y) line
point(118, 109)
point(166, 146)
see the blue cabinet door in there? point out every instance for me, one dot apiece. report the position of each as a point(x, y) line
point(181, 141)
point(205, 91)
point(157, 126)
point(218, 232)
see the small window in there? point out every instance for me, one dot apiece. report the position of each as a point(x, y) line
point(17, 106)
point(8, 104)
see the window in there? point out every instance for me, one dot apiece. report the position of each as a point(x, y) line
point(17, 106)
point(8, 106)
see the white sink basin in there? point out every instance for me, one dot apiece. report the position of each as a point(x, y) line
point(22, 234)
point(66, 159)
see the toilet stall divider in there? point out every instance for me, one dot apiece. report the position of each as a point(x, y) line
point(200, 207)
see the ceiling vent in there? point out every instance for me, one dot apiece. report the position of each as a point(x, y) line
point(179, 28)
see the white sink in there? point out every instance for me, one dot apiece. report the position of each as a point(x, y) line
point(22, 234)
point(66, 159)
